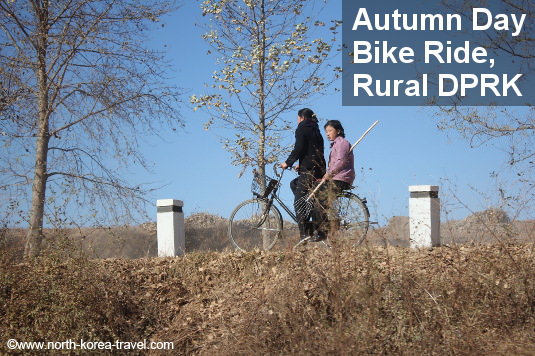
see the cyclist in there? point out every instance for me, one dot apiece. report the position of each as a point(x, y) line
point(308, 150)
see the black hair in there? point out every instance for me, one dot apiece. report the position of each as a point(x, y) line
point(307, 114)
point(335, 124)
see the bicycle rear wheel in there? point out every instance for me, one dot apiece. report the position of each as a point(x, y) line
point(252, 225)
point(351, 218)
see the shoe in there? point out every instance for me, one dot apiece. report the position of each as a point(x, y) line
point(318, 236)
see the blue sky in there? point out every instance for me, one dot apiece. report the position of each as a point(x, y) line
point(406, 148)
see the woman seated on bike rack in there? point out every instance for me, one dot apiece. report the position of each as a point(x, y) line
point(308, 150)
point(341, 167)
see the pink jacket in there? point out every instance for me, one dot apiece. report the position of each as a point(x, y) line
point(341, 161)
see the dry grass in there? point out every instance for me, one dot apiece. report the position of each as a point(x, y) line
point(463, 300)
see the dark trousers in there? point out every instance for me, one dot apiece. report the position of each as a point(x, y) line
point(301, 187)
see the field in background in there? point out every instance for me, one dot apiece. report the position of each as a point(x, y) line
point(206, 232)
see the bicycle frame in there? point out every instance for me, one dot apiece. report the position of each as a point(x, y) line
point(251, 216)
point(274, 196)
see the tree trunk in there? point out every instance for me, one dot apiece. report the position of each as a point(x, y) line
point(266, 241)
point(35, 232)
point(261, 156)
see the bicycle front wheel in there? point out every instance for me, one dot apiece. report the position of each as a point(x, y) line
point(351, 218)
point(255, 224)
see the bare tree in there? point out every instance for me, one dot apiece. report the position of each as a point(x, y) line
point(269, 64)
point(486, 124)
point(84, 86)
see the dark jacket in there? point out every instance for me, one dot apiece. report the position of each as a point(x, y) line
point(308, 149)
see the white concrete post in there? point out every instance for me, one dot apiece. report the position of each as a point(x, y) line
point(424, 216)
point(170, 228)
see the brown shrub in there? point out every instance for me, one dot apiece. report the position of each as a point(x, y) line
point(377, 301)
point(462, 300)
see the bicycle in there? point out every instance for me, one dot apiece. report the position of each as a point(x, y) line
point(258, 223)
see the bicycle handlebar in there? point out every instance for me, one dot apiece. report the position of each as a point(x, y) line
point(275, 166)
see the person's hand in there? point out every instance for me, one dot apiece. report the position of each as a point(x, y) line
point(296, 168)
point(284, 165)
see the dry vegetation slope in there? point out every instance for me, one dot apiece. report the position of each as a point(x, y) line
point(471, 300)
point(463, 299)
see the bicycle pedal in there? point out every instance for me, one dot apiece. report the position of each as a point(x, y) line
point(374, 222)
